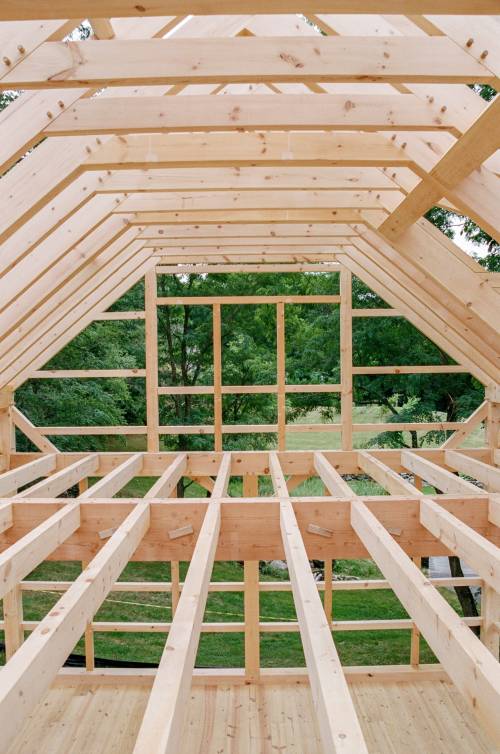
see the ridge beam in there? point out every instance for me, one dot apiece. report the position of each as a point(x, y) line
point(64, 479)
point(30, 671)
point(161, 727)
point(113, 482)
point(338, 722)
point(467, 661)
point(440, 478)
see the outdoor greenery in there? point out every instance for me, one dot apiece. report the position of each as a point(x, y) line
point(249, 357)
point(312, 356)
point(216, 650)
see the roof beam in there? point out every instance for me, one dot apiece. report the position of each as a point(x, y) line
point(399, 288)
point(217, 269)
point(191, 201)
point(30, 671)
point(338, 722)
point(363, 112)
point(256, 178)
point(281, 233)
point(169, 254)
point(50, 318)
point(119, 277)
point(23, 122)
point(247, 149)
point(248, 216)
point(17, 10)
point(79, 232)
point(466, 660)
point(253, 59)
point(161, 727)
point(420, 274)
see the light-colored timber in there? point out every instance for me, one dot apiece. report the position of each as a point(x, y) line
point(259, 139)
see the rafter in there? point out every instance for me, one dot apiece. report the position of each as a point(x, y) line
point(470, 151)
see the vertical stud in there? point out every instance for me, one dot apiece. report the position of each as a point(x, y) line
point(176, 588)
point(281, 373)
point(89, 640)
point(217, 347)
point(415, 633)
point(151, 334)
point(13, 620)
point(252, 617)
point(490, 613)
point(346, 357)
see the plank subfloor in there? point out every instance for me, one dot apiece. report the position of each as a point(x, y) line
point(425, 717)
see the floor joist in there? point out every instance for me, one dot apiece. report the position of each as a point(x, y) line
point(162, 724)
point(339, 725)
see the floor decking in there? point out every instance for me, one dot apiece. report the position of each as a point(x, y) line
point(424, 717)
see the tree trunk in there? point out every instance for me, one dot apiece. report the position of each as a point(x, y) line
point(464, 593)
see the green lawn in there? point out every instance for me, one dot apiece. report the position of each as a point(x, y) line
point(216, 650)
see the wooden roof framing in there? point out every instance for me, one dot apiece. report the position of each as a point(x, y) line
point(366, 127)
point(247, 142)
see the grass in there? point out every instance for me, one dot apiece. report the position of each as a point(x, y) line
point(226, 650)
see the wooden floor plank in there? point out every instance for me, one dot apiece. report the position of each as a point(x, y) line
point(396, 717)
